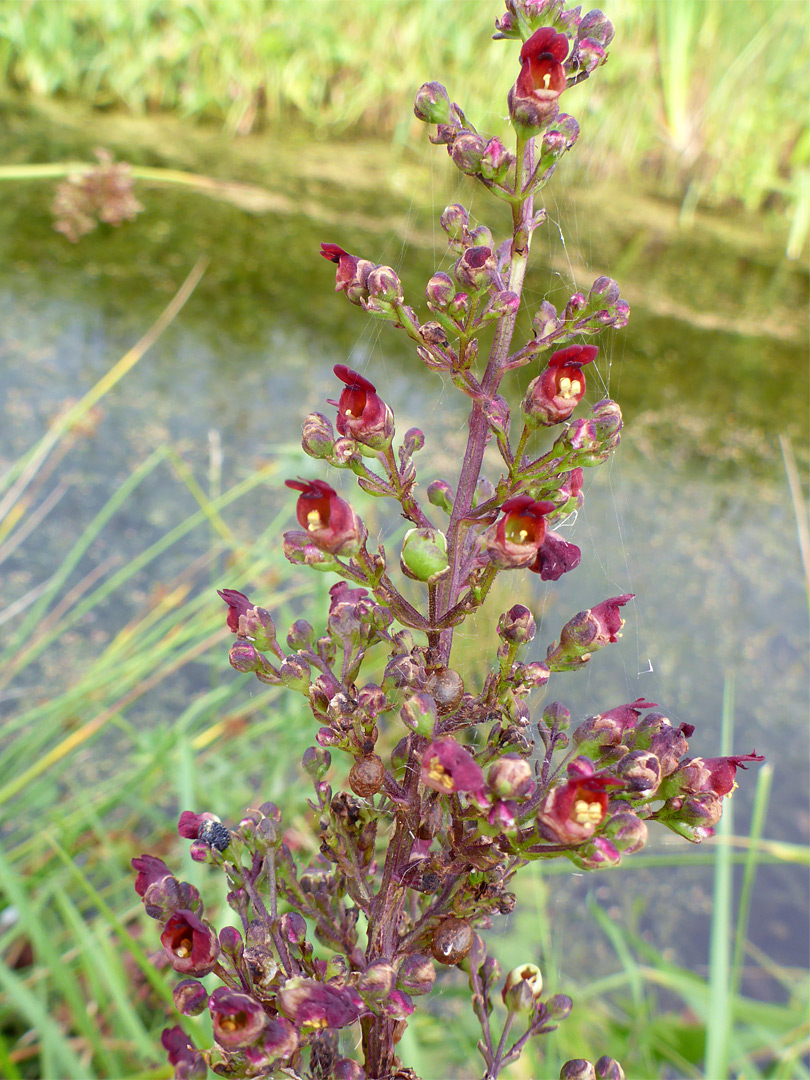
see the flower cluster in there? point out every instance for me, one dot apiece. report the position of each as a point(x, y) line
point(454, 781)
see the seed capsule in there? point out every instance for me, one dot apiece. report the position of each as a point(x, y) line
point(367, 775)
point(452, 940)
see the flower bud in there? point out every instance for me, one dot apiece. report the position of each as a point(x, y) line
point(366, 775)
point(316, 762)
point(502, 305)
point(459, 307)
point(244, 657)
point(455, 221)
point(466, 150)
point(190, 997)
point(627, 831)
point(475, 269)
point(432, 105)
point(510, 777)
point(496, 161)
point(230, 941)
point(416, 974)
point(517, 626)
point(301, 634)
point(545, 322)
point(318, 436)
point(296, 674)
point(452, 940)
point(608, 1068)
point(384, 284)
point(597, 26)
point(558, 1007)
point(642, 771)
point(578, 1069)
point(346, 1069)
point(419, 714)
point(440, 494)
point(424, 555)
point(440, 290)
point(377, 981)
point(413, 441)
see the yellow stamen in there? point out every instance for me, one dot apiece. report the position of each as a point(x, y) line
point(587, 813)
point(314, 520)
point(437, 773)
point(546, 80)
point(228, 1025)
point(183, 949)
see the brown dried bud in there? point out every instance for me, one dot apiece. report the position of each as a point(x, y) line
point(452, 940)
point(367, 775)
point(446, 687)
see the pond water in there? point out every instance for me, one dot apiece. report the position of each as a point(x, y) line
point(694, 515)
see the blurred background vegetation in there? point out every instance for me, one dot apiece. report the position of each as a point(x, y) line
point(723, 116)
point(140, 469)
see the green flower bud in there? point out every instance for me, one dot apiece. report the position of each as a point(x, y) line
point(424, 555)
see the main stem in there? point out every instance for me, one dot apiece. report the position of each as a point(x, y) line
point(477, 439)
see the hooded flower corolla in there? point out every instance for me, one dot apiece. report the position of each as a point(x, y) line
point(713, 775)
point(237, 1018)
point(151, 870)
point(362, 414)
point(572, 811)
point(555, 557)
point(542, 75)
point(330, 522)
point(238, 604)
point(191, 947)
point(188, 1062)
point(556, 392)
point(312, 1004)
point(448, 767)
point(514, 540)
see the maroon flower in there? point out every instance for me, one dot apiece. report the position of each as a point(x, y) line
point(714, 775)
point(554, 394)
point(238, 1019)
point(191, 947)
point(189, 824)
point(312, 1004)
point(362, 413)
point(448, 767)
point(238, 604)
point(541, 73)
point(151, 871)
point(514, 540)
point(626, 716)
point(555, 557)
point(188, 1062)
point(346, 264)
point(573, 810)
point(607, 620)
point(589, 630)
point(330, 522)
point(542, 78)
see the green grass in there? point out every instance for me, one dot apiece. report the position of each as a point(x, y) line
point(723, 116)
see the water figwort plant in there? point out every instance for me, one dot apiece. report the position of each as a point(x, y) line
point(470, 784)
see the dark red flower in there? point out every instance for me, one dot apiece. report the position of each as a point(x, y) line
point(448, 767)
point(556, 392)
point(542, 74)
point(279, 1040)
point(312, 1004)
point(555, 557)
point(330, 522)
point(362, 413)
point(346, 264)
point(151, 870)
point(188, 1062)
point(626, 716)
point(237, 1018)
point(238, 604)
point(191, 947)
point(514, 540)
point(573, 810)
point(714, 775)
point(542, 78)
